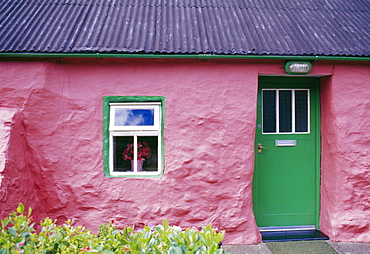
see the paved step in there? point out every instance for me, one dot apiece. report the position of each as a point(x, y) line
point(339, 247)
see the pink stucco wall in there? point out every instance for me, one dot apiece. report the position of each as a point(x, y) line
point(209, 143)
point(16, 181)
point(345, 167)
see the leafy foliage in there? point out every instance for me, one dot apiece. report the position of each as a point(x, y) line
point(17, 235)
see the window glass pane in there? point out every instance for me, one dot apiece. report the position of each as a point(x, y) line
point(133, 117)
point(119, 145)
point(301, 111)
point(269, 111)
point(285, 111)
point(123, 156)
point(148, 151)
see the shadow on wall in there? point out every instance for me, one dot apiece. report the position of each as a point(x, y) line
point(16, 181)
point(37, 144)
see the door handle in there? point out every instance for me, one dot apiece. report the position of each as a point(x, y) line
point(259, 148)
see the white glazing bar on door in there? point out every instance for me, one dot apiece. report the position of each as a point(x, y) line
point(293, 111)
point(308, 111)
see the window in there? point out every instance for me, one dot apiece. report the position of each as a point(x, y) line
point(133, 136)
point(285, 111)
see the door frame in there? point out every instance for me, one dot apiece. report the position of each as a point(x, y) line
point(315, 81)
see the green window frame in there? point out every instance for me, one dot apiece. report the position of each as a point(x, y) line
point(133, 128)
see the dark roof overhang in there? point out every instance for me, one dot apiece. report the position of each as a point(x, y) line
point(183, 56)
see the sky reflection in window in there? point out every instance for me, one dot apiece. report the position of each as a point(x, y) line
point(134, 117)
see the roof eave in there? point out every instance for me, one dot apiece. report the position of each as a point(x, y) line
point(184, 56)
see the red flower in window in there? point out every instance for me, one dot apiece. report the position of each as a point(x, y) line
point(143, 151)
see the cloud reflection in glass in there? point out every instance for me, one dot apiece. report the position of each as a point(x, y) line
point(134, 117)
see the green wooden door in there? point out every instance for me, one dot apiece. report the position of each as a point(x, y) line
point(286, 177)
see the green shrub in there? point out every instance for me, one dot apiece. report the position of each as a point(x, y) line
point(17, 235)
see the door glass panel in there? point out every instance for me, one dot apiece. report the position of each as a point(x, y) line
point(269, 111)
point(301, 111)
point(285, 111)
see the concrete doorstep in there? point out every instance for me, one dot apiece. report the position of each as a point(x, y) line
point(300, 247)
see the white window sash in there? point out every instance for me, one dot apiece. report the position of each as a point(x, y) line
point(135, 135)
point(135, 132)
point(151, 106)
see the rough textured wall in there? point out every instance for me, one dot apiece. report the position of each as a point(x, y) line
point(16, 182)
point(209, 137)
point(345, 185)
point(209, 141)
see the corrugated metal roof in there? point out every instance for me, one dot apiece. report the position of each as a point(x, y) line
point(261, 27)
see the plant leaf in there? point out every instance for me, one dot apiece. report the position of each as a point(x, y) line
point(165, 224)
point(20, 208)
point(5, 222)
point(12, 231)
point(29, 211)
point(107, 252)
